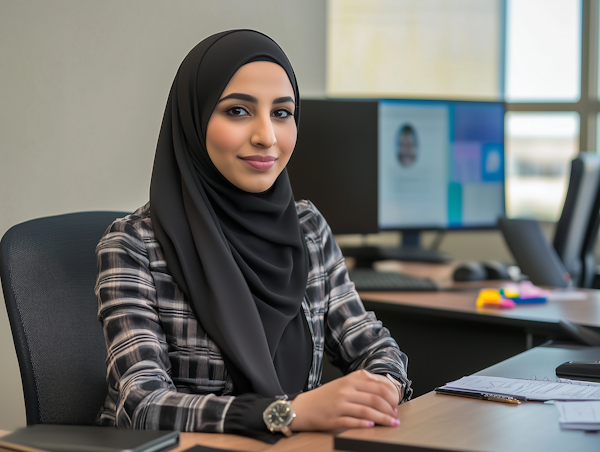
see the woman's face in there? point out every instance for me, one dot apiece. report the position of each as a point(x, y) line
point(251, 133)
point(407, 149)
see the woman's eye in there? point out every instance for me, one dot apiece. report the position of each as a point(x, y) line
point(237, 112)
point(282, 113)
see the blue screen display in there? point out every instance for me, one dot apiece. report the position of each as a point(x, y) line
point(440, 164)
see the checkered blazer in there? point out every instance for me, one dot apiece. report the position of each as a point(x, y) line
point(164, 372)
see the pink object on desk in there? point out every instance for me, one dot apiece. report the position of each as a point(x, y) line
point(504, 303)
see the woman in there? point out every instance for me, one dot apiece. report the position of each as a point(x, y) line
point(219, 296)
point(408, 145)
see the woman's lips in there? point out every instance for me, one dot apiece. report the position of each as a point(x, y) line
point(260, 162)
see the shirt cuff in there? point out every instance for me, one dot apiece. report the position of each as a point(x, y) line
point(245, 417)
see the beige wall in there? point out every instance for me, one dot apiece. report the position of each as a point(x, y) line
point(82, 92)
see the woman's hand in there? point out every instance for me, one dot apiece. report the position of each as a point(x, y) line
point(359, 399)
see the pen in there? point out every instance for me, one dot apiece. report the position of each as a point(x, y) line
point(504, 399)
point(479, 396)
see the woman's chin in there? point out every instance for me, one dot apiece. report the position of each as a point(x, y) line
point(255, 186)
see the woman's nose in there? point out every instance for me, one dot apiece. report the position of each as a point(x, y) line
point(263, 134)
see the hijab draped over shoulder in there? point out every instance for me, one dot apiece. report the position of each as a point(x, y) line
point(239, 257)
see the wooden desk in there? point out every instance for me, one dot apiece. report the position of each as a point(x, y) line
point(446, 423)
point(452, 423)
point(313, 442)
point(446, 336)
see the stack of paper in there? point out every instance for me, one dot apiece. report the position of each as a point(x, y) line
point(578, 402)
point(538, 390)
point(579, 415)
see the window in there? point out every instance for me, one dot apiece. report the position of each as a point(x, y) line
point(547, 108)
point(540, 146)
point(540, 56)
point(543, 50)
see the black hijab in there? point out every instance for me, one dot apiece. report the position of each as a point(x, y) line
point(239, 257)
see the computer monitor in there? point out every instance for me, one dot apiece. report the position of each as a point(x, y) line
point(407, 165)
point(334, 163)
point(441, 164)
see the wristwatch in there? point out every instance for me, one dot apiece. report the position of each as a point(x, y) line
point(279, 415)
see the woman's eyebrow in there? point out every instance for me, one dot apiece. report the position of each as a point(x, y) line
point(283, 100)
point(254, 100)
point(240, 96)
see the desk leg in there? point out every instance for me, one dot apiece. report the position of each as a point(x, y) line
point(529, 340)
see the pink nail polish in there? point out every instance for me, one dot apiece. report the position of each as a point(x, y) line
point(395, 422)
point(395, 410)
point(370, 423)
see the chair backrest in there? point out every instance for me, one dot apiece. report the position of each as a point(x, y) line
point(48, 271)
point(575, 235)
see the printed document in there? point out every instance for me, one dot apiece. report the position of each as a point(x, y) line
point(536, 390)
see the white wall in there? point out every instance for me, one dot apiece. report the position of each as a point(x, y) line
point(83, 86)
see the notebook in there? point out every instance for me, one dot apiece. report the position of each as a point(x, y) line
point(79, 438)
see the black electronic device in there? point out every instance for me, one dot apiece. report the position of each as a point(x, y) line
point(481, 271)
point(496, 270)
point(334, 164)
point(579, 370)
point(372, 280)
point(469, 271)
point(401, 164)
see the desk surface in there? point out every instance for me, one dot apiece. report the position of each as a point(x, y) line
point(461, 304)
point(459, 301)
point(446, 423)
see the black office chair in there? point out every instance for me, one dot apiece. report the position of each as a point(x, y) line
point(577, 228)
point(48, 271)
point(572, 253)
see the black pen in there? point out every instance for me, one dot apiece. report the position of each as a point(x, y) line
point(478, 395)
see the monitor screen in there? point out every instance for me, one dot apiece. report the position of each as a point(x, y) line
point(410, 165)
point(440, 164)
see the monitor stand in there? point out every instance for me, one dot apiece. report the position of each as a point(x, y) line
point(409, 250)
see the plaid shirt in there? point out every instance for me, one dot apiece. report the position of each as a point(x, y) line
point(164, 372)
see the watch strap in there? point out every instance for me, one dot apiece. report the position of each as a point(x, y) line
point(399, 387)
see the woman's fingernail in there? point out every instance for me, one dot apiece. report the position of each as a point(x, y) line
point(395, 410)
point(370, 423)
point(395, 422)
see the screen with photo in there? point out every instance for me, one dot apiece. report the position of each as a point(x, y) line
point(440, 164)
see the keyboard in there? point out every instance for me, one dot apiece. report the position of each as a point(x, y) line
point(368, 279)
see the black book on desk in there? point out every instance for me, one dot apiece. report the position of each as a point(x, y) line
point(78, 438)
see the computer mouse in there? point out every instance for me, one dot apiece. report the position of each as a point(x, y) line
point(469, 271)
point(496, 270)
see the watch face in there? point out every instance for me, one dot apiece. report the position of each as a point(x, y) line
point(279, 415)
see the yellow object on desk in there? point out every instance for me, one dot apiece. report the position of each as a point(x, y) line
point(493, 298)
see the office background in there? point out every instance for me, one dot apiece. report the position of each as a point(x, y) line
point(82, 91)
